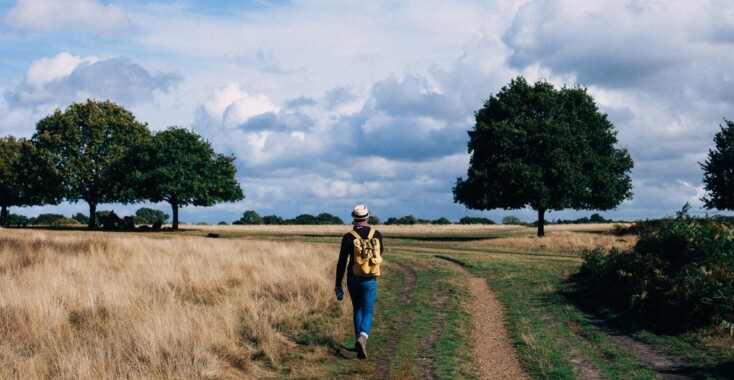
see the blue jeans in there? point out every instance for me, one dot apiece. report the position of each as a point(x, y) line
point(363, 291)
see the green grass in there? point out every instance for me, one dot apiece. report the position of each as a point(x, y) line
point(449, 358)
point(548, 330)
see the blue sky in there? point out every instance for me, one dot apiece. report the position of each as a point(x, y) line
point(330, 104)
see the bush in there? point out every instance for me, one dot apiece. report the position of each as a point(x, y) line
point(147, 215)
point(475, 220)
point(408, 219)
point(326, 218)
point(17, 220)
point(511, 219)
point(66, 222)
point(47, 219)
point(273, 220)
point(594, 218)
point(248, 218)
point(679, 275)
point(81, 218)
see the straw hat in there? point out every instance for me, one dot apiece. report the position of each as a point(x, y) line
point(361, 213)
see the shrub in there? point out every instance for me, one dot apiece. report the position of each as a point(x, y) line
point(475, 220)
point(66, 222)
point(511, 219)
point(408, 219)
point(679, 275)
point(147, 215)
point(17, 220)
point(273, 220)
point(47, 219)
point(81, 218)
point(249, 217)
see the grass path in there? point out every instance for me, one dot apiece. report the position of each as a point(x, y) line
point(397, 330)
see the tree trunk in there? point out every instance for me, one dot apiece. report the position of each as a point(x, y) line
point(541, 222)
point(174, 206)
point(4, 216)
point(92, 215)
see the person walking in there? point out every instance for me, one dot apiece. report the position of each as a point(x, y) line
point(361, 275)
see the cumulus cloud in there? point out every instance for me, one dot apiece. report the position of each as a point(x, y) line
point(615, 43)
point(410, 119)
point(76, 15)
point(232, 106)
point(66, 78)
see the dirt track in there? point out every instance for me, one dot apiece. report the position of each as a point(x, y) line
point(492, 348)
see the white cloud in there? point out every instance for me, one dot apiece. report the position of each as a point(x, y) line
point(67, 78)
point(46, 70)
point(233, 106)
point(77, 15)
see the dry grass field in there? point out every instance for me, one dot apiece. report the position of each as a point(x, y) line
point(99, 305)
point(561, 238)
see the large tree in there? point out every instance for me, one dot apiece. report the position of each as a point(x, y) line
point(718, 177)
point(179, 167)
point(535, 146)
point(86, 144)
point(25, 179)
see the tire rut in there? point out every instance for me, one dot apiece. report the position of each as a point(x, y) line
point(395, 335)
point(667, 366)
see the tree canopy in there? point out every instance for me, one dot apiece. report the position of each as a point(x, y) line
point(249, 217)
point(148, 215)
point(718, 169)
point(535, 146)
point(85, 145)
point(179, 167)
point(25, 179)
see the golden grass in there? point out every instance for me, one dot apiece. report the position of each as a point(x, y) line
point(95, 305)
point(558, 242)
point(560, 238)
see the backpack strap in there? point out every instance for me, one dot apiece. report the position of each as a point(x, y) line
point(356, 235)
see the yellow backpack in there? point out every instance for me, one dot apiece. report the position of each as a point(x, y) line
point(367, 255)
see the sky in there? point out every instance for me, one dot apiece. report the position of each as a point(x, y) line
point(330, 104)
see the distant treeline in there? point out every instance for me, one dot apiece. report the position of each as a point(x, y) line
point(142, 216)
point(149, 216)
point(251, 217)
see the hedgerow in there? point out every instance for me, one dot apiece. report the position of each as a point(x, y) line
point(679, 276)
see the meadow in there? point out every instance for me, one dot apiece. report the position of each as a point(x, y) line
point(257, 302)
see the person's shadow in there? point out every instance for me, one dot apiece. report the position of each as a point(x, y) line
point(341, 351)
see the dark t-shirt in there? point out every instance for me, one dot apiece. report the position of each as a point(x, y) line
point(347, 247)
